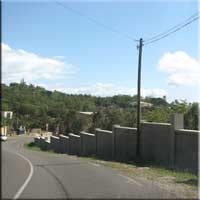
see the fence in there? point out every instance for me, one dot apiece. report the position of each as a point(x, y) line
point(88, 144)
point(166, 144)
point(74, 144)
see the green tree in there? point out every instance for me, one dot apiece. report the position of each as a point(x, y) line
point(191, 117)
point(158, 115)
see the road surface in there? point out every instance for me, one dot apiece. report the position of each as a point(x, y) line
point(34, 174)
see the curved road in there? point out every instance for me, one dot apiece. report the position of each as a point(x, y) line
point(34, 174)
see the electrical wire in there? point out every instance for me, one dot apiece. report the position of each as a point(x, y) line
point(153, 39)
point(96, 22)
point(171, 32)
point(174, 27)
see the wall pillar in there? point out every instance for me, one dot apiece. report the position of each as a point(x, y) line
point(177, 122)
point(114, 140)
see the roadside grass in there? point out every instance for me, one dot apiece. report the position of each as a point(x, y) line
point(32, 146)
point(182, 183)
point(150, 171)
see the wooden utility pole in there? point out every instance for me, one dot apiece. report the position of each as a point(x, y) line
point(138, 96)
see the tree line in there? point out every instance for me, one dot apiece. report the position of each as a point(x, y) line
point(34, 107)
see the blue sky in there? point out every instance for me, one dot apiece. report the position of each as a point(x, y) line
point(58, 49)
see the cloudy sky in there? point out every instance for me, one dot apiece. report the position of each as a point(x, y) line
point(60, 49)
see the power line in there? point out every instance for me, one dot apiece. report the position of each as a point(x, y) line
point(174, 27)
point(96, 22)
point(153, 39)
point(171, 32)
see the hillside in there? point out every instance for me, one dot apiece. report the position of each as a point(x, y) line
point(34, 106)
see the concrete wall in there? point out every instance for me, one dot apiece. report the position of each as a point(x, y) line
point(104, 144)
point(55, 144)
point(156, 142)
point(36, 141)
point(125, 140)
point(186, 150)
point(88, 144)
point(64, 144)
point(42, 143)
point(74, 144)
point(47, 145)
point(159, 142)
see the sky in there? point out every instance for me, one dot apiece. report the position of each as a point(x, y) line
point(57, 48)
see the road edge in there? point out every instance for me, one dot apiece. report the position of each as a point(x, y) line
point(21, 189)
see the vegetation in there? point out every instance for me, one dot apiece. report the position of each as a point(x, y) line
point(148, 170)
point(32, 146)
point(182, 183)
point(34, 107)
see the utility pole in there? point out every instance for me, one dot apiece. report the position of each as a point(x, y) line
point(138, 96)
point(17, 120)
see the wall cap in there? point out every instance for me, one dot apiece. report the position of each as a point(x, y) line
point(125, 127)
point(85, 133)
point(73, 135)
point(105, 131)
point(55, 137)
point(155, 123)
point(63, 136)
point(116, 126)
point(187, 131)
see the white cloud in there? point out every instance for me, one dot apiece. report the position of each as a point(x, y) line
point(107, 89)
point(181, 68)
point(19, 64)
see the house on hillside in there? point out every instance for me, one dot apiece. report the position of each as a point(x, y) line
point(6, 122)
point(4, 130)
point(142, 104)
point(7, 114)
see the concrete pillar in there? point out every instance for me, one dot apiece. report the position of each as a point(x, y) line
point(177, 122)
point(114, 140)
point(96, 139)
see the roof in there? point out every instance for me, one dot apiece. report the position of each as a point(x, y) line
point(143, 104)
point(85, 113)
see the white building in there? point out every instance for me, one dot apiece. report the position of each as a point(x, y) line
point(7, 114)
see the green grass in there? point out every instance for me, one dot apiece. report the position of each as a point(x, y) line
point(149, 171)
point(32, 146)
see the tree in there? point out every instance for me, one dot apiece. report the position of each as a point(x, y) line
point(34, 106)
point(158, 115)
point(191, 117)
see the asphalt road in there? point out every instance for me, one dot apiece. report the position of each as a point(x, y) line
point(34, 174)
